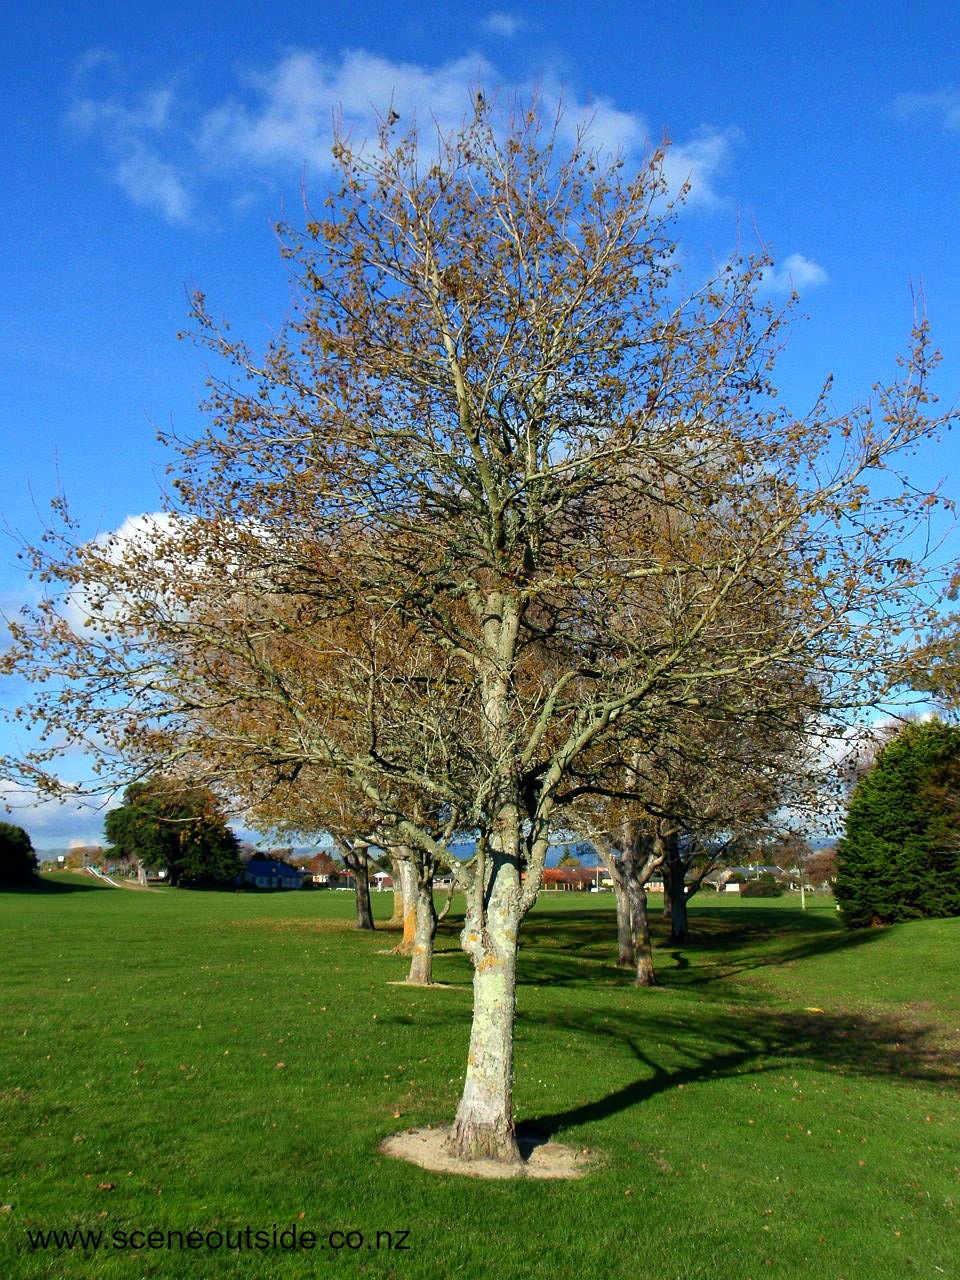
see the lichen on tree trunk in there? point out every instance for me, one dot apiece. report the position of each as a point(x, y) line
point(425, 928)
point(483, 1127)
point(408, 891)
point(396, 919)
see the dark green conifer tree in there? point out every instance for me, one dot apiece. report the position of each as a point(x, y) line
point(899, 858)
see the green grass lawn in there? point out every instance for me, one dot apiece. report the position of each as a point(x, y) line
point(180, 1060)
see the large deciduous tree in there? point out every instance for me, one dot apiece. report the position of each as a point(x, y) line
point(492, 369)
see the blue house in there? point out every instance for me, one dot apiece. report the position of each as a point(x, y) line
point(267, 873)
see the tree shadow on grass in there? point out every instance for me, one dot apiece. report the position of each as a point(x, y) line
point(47, 885)
point(745, 1043)
point(572, 948)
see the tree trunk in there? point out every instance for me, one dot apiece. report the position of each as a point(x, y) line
point(483, 1127)
point(646, 974)
point(674, 889)
point(408, 892)
point(679, 931)
point(421, 956)
point(625, 953)
point(361, 875)
point(396, 920)
point(641, 854)
point(676, 866)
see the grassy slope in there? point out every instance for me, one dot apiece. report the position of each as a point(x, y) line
point(743, 1136)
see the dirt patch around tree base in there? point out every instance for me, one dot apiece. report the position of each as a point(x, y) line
point(540, 1158)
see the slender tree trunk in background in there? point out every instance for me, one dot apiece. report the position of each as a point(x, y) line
point(641, 855)
point(679, 930)
point(646, 974)
point(483, 1126)
point(361, 875)
point(396, 920)
point(676, 874)
point(667, 896)
point(421, 957)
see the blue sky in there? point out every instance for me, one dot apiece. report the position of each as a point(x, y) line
point(151, 148)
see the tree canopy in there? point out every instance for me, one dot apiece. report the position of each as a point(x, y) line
point(899, 858)
point(18, 862)
point(501, 498)
point(168, 825)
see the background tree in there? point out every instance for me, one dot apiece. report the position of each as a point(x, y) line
point(899, 858)
point(934, 666)
point(821, 867)
point(168, 825)
point(18, 862)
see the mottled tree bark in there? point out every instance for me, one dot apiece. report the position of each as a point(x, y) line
point(643, 951)
point(625, 957)
point(483, 1126)
point(396, 919)
point(408, 893)
point(425, 931)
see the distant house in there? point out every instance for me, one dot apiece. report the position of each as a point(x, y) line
point(268, 873)
point(571, 879)
point(730, 878)
point(327, 873)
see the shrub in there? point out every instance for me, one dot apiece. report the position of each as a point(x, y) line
point(765, 886)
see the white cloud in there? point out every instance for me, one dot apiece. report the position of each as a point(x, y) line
point(53, 823)
point(283, 117)
point(503, 24)
point(297, 102)
point(943, 107)
point(699, 162)
point(795, 272)
point(133, 135)
point(154, 184)
point(139, 535)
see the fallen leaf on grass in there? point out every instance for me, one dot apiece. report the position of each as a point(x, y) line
point(106, 1186)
